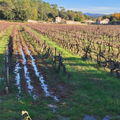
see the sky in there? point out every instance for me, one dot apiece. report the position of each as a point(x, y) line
point(89, 6)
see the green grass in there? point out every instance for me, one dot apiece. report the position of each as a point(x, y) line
point(93, 90)
point(3, 42)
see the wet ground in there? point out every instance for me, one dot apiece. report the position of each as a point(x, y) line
point(33, 80)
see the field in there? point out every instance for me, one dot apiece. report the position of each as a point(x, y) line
point(60, 72)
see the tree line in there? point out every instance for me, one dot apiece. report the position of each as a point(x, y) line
point(112, 17)
point(22, 10)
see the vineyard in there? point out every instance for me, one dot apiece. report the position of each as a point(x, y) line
point(59, 72)
point(91, 42)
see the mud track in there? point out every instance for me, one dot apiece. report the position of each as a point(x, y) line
point(28, 75)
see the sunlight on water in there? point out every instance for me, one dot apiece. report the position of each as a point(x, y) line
point(30, 87)
point(89, 118)
point(17, 77)
point(44, 86)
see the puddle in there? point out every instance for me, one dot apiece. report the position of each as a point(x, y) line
point(63, 118)
point(30, 87)
point(44, 86)
point(52, 106)
point(0, 100)
point(17, 77)
point(87, 117)
point(107, 117)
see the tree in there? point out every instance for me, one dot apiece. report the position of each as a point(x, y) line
point(82, 18)
point(92, 18)
point(77, 18)
point(35, 16)
point(114, 19)
point(6, 8)
point(116, 16)
point(70, 15)
point(111, 18)
point(86, 16)
point(100, 18)
point(79, 13)
point(105, 16)
point(62, 15)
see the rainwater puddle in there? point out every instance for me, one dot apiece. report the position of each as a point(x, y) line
point(63, 118)
point(107, 117)
point(44, 86)
point(0, 100)
point(88, 118)
point(30, 87)
point(17, 77)
point(52, 106)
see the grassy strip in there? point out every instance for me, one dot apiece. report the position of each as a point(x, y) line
point(93, 91)
point(3, 42)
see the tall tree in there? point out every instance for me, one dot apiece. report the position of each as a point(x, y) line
point(116, 16)
point(77, 18)
point(105, 16)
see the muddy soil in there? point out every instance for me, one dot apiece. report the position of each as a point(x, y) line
point(29, 75)
point(60, 87)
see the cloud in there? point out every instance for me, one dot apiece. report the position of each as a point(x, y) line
point(102, 10)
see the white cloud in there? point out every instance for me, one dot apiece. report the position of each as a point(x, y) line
point(102, 10)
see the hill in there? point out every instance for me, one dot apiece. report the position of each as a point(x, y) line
point(95, 15)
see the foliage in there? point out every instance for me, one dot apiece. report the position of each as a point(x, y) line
point(116, 16)
point(105, 16)
point(77, 18)
point(111, 18)
point(82, 18)
point(23, 10)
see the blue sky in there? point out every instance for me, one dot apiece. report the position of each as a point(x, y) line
point(91, 6)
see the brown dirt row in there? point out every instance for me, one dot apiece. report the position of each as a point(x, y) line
point(35, 80)
point(17, 47)
point(55, 89)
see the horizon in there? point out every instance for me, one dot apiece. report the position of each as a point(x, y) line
point(99, 7)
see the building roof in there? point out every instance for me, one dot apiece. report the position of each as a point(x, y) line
point(106, 19)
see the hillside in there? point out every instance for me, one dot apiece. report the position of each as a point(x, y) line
point(94, 15)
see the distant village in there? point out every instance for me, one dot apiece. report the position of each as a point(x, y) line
point(60, 20)
point(104, 20)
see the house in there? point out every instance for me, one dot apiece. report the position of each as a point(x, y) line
point(58, 19)
point(88, 21)
point(105, 21)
